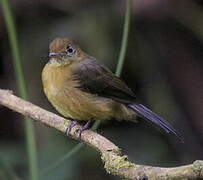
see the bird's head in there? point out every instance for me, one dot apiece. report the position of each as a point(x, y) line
point(63, 50)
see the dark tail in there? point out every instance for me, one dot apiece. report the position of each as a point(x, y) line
point(153, 117)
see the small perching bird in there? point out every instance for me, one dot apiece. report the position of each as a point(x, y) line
point(80, 88)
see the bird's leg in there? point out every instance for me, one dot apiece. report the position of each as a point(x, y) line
point(80, 130)
point(70, 126)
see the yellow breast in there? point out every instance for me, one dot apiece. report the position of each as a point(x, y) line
point(71, 102)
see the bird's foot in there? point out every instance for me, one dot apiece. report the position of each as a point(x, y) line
point(80, 130)
point(70, 126)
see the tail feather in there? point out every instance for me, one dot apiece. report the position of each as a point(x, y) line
point(153, 117)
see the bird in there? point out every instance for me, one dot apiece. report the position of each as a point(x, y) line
point(82, 89)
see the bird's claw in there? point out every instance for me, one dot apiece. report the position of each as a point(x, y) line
point(69, 127)
point(82, 128)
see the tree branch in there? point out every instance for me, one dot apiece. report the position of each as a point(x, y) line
point(114, 162)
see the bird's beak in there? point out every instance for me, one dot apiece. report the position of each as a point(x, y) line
point(53, 54)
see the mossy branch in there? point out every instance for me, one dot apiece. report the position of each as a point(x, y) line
point(114, 162)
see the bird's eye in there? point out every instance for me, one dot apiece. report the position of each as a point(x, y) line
point(70, 50)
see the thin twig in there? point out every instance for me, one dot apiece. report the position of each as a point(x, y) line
point(114, 162)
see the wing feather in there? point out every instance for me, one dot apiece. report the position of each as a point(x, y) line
point(96, 79)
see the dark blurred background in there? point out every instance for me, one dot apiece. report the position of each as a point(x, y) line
point(163, 65)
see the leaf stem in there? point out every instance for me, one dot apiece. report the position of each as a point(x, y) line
point(124, 38)
point(29, 130)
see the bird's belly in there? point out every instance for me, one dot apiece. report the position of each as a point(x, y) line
point(80, 105)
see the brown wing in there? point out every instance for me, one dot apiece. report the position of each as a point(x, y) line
point(96, 79)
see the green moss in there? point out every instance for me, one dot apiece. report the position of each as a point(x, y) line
point(198, 167)
point(114, 162)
